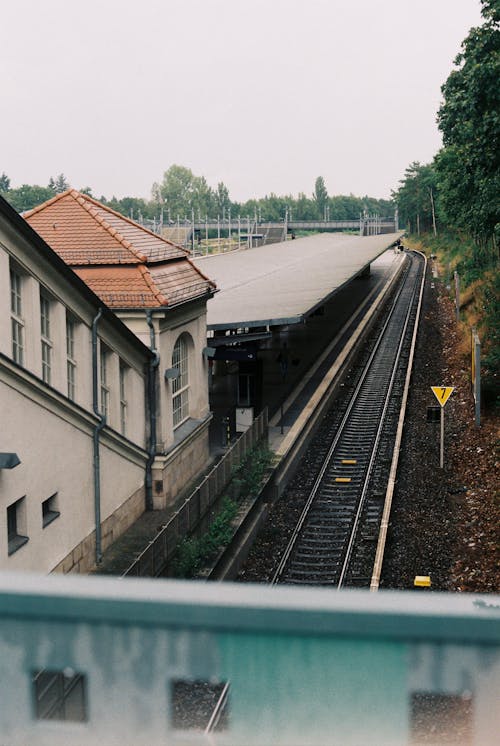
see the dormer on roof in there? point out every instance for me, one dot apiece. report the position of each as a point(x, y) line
point(125, 264)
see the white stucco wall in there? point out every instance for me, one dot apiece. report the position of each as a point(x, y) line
point(51, 434)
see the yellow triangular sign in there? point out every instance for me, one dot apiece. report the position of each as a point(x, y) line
point(443, 393)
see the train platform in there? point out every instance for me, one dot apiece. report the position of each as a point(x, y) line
point(297, 362)
point(313, 353)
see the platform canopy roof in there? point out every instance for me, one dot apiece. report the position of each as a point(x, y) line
point(283, 283)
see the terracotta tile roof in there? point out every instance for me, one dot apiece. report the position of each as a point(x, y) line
point(126, 265)
point(129, 287)
point(83, 231)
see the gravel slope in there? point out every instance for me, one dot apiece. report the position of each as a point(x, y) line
point(444, 522)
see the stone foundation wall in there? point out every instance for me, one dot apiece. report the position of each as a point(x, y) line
point(181, 468)
point(82, 558)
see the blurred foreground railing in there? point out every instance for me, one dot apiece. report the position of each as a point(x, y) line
point(92, 660)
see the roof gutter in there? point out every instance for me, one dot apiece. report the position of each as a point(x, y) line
point(101, 422)
point(152, 410)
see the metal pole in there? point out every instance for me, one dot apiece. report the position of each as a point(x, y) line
point(239, 231)
point(192, 229)
point(206, 234)
point(229, 227)
point(218, 233)
point(477, 376)
point(441, 445)
point(248, 230)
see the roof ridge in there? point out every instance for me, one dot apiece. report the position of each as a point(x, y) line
point(131, 222)
point(82, 200)
point(43, 205)
point(205, 277)
point(150, 283)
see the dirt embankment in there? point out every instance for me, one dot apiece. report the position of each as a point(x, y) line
point(445, 522)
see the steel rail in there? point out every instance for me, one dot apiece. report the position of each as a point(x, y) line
point(384, 524)
point(218, 710)
point(327, 459)
point(354, 530)
point(369, 456)
point(223, 699)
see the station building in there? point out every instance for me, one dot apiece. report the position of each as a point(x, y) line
point(103, 382)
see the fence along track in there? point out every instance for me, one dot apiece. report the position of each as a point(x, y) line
point(323, 540)
point(153, 559)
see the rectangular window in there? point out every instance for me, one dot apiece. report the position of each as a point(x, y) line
point(70, 356)
point(104, 381)
point(17, 321)
point(59, 695)
point(16, 526)
point(437, 718)
point(123, 398)
point(180, 405)
point(49, 510)
point(45, 337)
point(180, 385)
point(197, 705)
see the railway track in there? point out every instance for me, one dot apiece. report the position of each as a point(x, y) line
point(335, 538)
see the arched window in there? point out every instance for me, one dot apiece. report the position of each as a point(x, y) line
point(180, 385)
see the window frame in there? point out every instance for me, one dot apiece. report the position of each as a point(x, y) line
point(71, 364)
point(49, 510)
point(15, 539)
point(104, 388)
point(123, 375)
point(180, 385)
point(16, 315)
point(58, 686)
point(45, 338)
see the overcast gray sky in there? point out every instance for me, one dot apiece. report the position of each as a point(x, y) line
point(264, 95)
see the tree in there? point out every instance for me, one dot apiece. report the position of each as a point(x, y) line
point(4, 182)
point(60, 184)
point(222, 201)
point(468, 166)
point(320, 196)
point(182, 192)
point(416, 198)
point(27, 196)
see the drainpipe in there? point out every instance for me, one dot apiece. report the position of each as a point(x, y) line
point(99, 426)
point(151, 394)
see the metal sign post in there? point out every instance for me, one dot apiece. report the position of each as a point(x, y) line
point(442, 394)
point(457, 295)
point(476, 375)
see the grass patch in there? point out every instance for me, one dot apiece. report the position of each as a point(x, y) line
point(193, 553)
point(479, 297)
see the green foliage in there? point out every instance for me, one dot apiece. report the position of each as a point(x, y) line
point(480, 285)
point(464, 180)
point(4, 183)
point(183, 193)
point(416, 197)
point(59, 185)
point(193, 553)
point(320, 196)
point(469, 118)
point(249, 474)
point(26, 197)
point(134, 208)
